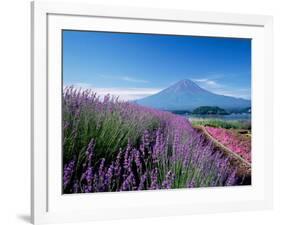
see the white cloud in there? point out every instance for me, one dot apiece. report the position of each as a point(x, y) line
point(207, 83)
point(215, 87)
point(81, 85)
point(131, 79)
point(125, 94)
point(238, 93)
point(125, 78)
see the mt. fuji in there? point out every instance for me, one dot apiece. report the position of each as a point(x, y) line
point(187, 95)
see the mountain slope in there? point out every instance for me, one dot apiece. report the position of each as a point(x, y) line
point(186, 95)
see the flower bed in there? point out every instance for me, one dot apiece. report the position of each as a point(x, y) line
point(238, 143)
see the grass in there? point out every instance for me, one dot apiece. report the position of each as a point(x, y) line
point(231, 124)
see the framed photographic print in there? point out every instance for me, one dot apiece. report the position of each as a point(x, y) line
point(148, 112)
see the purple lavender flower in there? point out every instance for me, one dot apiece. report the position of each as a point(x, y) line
point(137, 159)
point(117, 167)
point(159, 141)
point(145, 139)
point(101, 175)
point(128, 183)
point(158, 148)
point(90, 151)
point(142, 181)
point(169, 179)
point(109, 175)
point(191, 184)
point(154, 179)
point(68, 172)
point(76, 186)
point(89, 174)
point(231, 180)
point(126, 163)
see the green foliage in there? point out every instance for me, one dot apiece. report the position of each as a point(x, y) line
point(232, 124)
point(209, 110)
point(109, 127)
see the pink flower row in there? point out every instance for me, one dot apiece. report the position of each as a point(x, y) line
point(236, 142)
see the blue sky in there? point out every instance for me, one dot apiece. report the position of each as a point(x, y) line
point(137, 65)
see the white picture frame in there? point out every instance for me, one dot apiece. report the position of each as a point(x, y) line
point(48, 205)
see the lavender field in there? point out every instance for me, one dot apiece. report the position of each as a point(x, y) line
point(111, 145)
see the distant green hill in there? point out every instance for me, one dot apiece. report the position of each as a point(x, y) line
point(209, 110)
